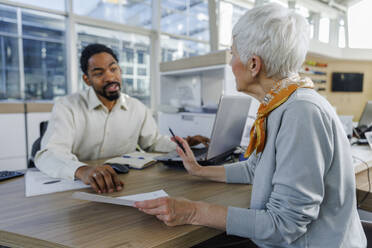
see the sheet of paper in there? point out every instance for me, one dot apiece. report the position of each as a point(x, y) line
point(37, 183)
point(361, 153)
point(123, 200)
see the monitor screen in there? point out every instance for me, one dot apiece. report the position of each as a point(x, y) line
point(351, 82)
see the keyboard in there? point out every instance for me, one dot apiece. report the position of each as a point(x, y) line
point(10, 174)
point(199, 151)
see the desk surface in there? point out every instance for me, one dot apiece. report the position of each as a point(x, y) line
point(57, 220)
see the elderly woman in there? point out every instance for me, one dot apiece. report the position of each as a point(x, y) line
point(299, 159)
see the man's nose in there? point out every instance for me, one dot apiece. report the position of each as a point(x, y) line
point(110, 76)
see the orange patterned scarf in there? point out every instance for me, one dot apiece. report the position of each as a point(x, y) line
point(279, 94)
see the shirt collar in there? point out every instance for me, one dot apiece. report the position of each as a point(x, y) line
point(94, 102)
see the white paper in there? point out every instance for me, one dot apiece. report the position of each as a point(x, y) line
point(361, 153)
point(35, 184)
point(136, 160)
point(123, 200)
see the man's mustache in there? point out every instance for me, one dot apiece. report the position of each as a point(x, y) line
point(110, 84)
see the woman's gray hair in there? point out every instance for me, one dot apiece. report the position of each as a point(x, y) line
point(279, 36)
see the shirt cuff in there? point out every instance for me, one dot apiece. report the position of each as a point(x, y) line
point(241, 222)
point(68, 171)
point(236, 172)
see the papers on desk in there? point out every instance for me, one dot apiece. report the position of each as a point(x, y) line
point(361, 153)
point(123, 200)
point(136, 160)
point(37, 183)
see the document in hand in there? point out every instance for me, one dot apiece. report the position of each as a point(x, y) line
point(136, 160)
point(122, 200)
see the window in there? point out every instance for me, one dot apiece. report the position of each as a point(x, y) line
point(127, 47)
point(9, 57)
point(173, 48)
point(230, 13)
point(341, 34)
point(141, 57)
point(48, 4)
point(324, 30)
point(44, 55)
point(131, 12)
point(44, 66)
point(129, 55)
point(128, 70)
point(185, 17)
point(359, 15)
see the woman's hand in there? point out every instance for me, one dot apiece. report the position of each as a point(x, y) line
point(172, 211)
point(188, 157)
point(180, 211)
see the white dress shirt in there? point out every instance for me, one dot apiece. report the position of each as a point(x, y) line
point(81, 128)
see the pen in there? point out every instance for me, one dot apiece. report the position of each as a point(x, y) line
point(178, 143)
point(127, 156)
point(50, 182)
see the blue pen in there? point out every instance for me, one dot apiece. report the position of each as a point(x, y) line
point(127, 156)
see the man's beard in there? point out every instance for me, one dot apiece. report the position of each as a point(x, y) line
point(111, 96)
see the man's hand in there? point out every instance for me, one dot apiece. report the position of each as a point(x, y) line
point(102, 178)
point(197, 139)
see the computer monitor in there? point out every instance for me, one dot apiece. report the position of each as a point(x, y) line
point(366, 118)
point(349, 82)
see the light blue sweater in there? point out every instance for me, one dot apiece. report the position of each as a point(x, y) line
point(303, 192)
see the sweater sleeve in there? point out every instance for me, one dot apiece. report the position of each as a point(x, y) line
point(241, 172)
point(304, 148)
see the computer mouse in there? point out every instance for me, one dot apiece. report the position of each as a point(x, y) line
point(119, 168)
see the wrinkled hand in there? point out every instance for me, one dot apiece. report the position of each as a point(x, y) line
point(172, 211)
point(102, 178)
point(197, 139)
point(188, 157)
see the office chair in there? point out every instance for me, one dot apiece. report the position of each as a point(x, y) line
point(36, 145)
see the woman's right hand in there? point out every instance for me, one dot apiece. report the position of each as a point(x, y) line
point(188, 157)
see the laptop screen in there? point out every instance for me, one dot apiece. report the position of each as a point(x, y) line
point(229, 124)
point(366, 118)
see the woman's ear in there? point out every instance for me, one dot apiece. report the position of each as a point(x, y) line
point(255, 65)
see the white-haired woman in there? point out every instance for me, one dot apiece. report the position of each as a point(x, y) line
point(299, 159)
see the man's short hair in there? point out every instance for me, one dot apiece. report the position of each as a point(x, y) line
point(91, 50)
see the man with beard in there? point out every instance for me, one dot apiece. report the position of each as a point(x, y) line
point(100, 122)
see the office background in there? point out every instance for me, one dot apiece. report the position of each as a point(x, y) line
point(41, 41)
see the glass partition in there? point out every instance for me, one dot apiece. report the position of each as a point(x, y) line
point(174, 48)
point(131, 12)
point(9, 56)
point(185, 17)
point(133, 52)
point(44, 55)
point(48, 4)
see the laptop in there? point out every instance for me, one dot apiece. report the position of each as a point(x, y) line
point(364, 124)
point(226, 135)
point(366, 118)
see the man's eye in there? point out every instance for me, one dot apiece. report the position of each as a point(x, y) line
point(114, 69)
point(97, 74)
